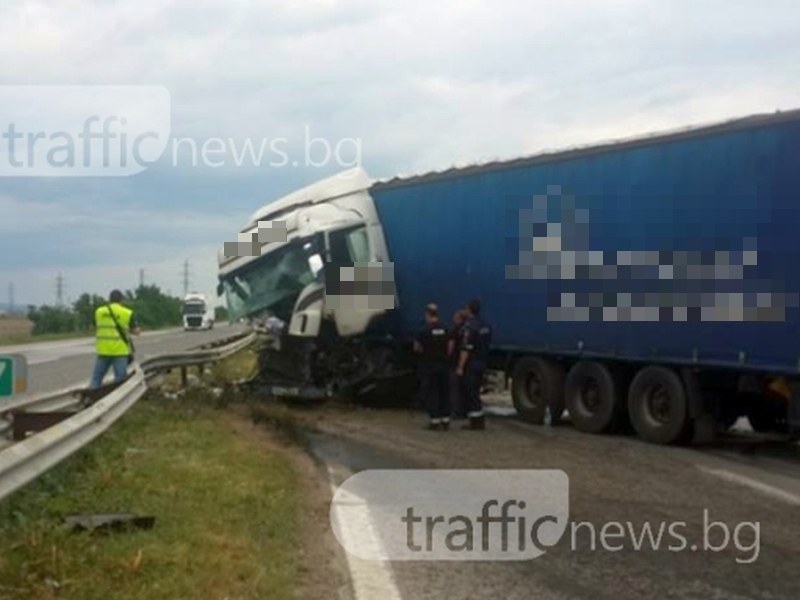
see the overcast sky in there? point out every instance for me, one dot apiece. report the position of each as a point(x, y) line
point(421, 84)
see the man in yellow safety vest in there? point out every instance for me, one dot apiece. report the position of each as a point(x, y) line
point(114, 324)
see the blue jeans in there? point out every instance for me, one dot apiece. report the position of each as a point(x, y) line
point(118, 363)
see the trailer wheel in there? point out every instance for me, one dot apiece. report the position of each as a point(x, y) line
point(535, 384)
point(592, 397)
point(657, 405)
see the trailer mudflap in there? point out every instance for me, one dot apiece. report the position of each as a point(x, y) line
point(699, 411)
point(794, 410)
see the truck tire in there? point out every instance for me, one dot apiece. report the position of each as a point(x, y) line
point(535, 384)
point(658, 405)
point(592, 397)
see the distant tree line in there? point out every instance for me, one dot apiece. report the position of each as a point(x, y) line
point(154, 309)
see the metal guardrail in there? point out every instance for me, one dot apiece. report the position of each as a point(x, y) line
point(25, 460)
point(165, 362)
point(63, 399)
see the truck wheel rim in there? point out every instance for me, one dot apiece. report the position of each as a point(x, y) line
point(589, 396)
point(658, 405)
point(534, 389)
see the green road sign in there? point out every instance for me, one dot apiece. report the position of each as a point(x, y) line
point(13, 375)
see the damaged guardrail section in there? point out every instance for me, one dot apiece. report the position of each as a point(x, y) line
point(25, 460)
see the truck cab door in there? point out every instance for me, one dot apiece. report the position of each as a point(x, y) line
point(307, 313)
point(357, 288)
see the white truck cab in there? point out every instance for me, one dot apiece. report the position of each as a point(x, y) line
point(315, 262)
point(197, 312)
point(333, 237)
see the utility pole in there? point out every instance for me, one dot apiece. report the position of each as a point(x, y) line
point(11, 298)
point(185, 275)
point(60, 290)
point(141, 277)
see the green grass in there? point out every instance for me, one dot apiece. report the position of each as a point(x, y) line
point(239, 366)
point(226, 508)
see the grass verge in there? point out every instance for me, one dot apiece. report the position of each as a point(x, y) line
point(236, 367)
point(227, 515)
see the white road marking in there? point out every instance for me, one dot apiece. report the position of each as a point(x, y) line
point(764, 488)
point(371, 579)
point(52, 345)
point(41, 353)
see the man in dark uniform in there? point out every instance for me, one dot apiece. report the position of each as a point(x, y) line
point(476, 337)
point(454, 352)
point(431, 345)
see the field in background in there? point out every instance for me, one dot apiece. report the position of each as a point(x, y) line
point(15, 329)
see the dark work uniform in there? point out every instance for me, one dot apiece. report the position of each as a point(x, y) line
point(456, 401)
point(434, 371)
point(476, 337)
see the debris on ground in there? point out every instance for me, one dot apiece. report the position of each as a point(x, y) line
point(103, 523)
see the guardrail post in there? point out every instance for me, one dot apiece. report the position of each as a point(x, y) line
point(184, 379)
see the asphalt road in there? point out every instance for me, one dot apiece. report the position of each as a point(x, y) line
point(64, 363)
point(612, 479)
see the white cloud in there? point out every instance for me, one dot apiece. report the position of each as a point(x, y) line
point(424, 84)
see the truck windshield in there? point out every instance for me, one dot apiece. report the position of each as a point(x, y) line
point(194, 308)
point(271, 283)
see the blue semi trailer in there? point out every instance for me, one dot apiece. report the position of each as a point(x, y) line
point(649, 281)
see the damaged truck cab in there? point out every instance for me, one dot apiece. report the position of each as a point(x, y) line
point(311, 272)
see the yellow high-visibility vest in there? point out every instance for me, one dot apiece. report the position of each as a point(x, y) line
point(108, 340)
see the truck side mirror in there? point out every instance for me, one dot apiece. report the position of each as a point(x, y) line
point(315, 264)
point(220, 289)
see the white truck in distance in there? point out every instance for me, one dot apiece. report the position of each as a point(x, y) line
point(197, 313)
